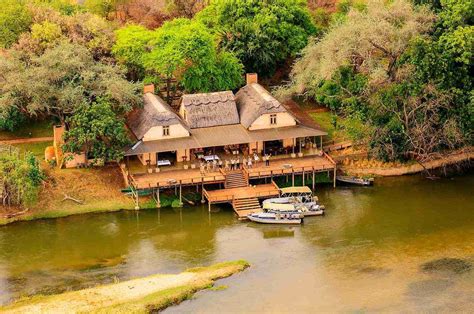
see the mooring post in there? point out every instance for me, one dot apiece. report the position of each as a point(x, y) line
point(180, 194)
point(158, 202)
point(209, 205)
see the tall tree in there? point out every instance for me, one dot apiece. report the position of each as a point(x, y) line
point(262, 34)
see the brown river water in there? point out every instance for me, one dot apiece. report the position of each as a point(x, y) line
point(404, 245)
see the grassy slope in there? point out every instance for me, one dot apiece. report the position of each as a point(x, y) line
point(325, 121)
point(149, 294)
point(98, 188)
point(33, 129)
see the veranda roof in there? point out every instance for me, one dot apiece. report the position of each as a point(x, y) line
point(220, 136)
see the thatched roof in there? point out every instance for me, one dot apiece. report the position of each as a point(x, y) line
point(210, 109)
point(253, 100)
point(155, 112)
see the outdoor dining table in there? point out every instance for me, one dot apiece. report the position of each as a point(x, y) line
point(164, 162)
point(211, 158)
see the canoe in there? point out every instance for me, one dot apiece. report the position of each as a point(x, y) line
point(355, 180)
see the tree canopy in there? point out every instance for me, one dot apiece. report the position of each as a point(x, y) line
point(262, 34)
point(183, 49)
point(59, 81)
point(392, 70)
point(14, 20)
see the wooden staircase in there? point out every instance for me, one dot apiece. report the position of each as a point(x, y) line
point(236, 179)
point(245, 206)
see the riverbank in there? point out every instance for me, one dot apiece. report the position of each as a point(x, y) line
point(97, 190)
point(367, 168)
point(147, 294)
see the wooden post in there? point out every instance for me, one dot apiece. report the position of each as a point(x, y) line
point(158, 202)
point(292, 177)
point(209, 205)
point(180, 194)
point(202, 190)
point(313, 179)
point(303, 177)
point(334, 177)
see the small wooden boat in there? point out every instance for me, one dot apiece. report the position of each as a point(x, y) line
point(355, 180)
point(277, 218)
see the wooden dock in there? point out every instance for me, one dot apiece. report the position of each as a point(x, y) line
point(244, 200)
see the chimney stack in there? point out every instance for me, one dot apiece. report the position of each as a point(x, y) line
point(150, 88)
point(251, 78)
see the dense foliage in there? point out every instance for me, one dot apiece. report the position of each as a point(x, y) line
point(59, 81)
point(262, 34)
point(14, 19)
point(401, 75)
point(20, 177)
point(97, 131)
point(182, 49)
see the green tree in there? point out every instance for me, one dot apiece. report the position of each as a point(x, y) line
point(262, 34)
point(96, 130)
point(14, 20)
point(20, 177)
point(182, 49)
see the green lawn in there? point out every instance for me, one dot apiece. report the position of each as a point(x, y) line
point(324, 119)
point(36, 148)
point(30, 129)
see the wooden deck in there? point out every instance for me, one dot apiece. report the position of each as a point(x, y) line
point(255, 191)
point(278, 167)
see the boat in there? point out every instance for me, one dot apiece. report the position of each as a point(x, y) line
point(298, 198)
point(355, 180)
point(277, 217)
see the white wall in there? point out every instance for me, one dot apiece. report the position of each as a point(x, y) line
point(156, 133)
point(263, 122)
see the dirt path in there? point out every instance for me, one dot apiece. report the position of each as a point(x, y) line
point(154, 292)
point(27, 140)
point(448, 160)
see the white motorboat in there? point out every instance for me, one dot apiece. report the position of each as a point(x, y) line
point(277, 217)
point(295, 199)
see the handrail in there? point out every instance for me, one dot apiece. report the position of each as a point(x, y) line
point(329, 157)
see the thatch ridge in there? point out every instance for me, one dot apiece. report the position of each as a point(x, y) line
point(210, 109)
point(253, 100)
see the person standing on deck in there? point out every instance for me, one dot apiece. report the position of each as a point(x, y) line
point(267, 160)
point(249, 162)
point(232, 164)
point(237, 163)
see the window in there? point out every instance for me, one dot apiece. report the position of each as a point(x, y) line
point(166, 130)
point(273, 118)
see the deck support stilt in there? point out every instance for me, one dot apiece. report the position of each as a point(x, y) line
point(293, 178)
point(158, 203)
point(202, 191)
point(303, 178)
point(313, 179)
point(334, 177)
point(180, 195)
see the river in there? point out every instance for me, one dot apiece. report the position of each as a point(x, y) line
point(406, 244)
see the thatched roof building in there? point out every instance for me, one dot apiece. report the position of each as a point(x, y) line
point(155, 112)
point(253, 100)
point(210, 109)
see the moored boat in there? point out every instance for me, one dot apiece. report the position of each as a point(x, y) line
point(355, 180)
point(298, 198)
point(277, 217)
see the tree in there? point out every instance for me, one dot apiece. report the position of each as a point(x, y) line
point(370, 41)
point(181, 49)
point(58, 82)
point(96, 130)
point(262, 34)
point(20, 177)
point(14, 20)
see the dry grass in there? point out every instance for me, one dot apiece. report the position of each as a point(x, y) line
point(99, 189)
